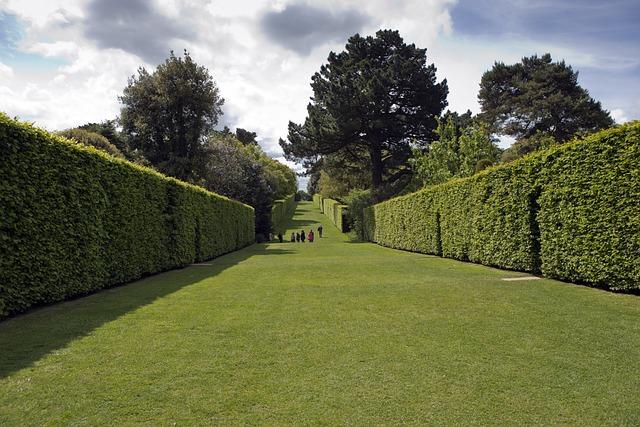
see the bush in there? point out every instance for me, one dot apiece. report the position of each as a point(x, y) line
point(281, 212)
point(74, 220)
point(571, 212)
point(92, 139)
point(357, 201)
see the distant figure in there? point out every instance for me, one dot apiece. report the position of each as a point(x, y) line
point(320, 231)
point(280, 238)
point(310, 236)
point(297, 237)
point(302, 236)
point(293, 237)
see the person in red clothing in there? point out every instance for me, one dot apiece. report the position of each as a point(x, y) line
point(310, 236)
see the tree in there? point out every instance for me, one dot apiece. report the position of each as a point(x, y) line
point(246, 137)
point(313, 183)
point(339, 175)
point(281, 178)
point(167, 115)
point(371, 104)
point(233, 172)
point(524, 146)
point(463, 148)
point(244, 172)
point(538, 95)
point(109, 130)
point(92, 139)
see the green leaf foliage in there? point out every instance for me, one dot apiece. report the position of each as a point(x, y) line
point(74, 220)
point(371, 104)
point(537, 95)
point(590, 209)
point(571, 212)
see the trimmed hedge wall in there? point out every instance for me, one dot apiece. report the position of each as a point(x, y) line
point(74, 220)
point(571, 213)
point(317, 200)
point(281, 212)
point(336, 211)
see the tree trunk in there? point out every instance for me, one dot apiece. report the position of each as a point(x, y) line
point(376, 166)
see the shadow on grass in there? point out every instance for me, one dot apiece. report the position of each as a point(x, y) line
point(301, 224)
point(28, 337)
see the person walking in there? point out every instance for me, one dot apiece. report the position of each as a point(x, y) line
point(310, 236)
point(297, 237)
point(280, 237)
point(302, 236)
point(293, 237)
point(320, 231)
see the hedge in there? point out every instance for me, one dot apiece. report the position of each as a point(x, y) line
point(281, 212)
point(336, 211)
point(317, 200)
point(74, 220)
point(571, 213)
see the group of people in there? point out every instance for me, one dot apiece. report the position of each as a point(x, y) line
point(301, 236)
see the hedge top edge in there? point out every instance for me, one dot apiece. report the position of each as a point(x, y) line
point(529, 158)
point(44, 134)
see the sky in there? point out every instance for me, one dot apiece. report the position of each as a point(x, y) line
point(63, 63)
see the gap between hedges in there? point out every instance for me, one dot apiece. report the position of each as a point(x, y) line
point(334, 210)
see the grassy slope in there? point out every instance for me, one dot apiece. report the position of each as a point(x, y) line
point(326, 333)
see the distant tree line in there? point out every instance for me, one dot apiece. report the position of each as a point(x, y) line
point(375, 126)
point(167, 122)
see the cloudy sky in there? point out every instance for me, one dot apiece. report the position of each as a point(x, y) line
point(63, 63)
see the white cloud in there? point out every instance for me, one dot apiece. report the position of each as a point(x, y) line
point(619, 115)
point(5, 70)
point(264, 84)
point(59, 49)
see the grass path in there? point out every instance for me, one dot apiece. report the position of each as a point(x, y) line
point(326, 333)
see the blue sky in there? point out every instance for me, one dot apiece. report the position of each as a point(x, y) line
point(608, 32)
point(64, 62)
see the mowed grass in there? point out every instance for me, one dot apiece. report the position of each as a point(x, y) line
point(326, 333)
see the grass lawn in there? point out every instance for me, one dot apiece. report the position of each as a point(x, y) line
point(326, 333)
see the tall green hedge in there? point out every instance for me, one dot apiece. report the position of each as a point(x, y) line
point(282, 211)
point(572, 213)
point(317, 200)
point(336, 211)
point(74, 220)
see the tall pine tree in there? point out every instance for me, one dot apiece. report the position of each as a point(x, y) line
point(371, 103)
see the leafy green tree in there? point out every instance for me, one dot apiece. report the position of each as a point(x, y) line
point(281, 178)
point(314, 181)
point(246, 137)
point(339, 175)
point(538, 95)
point(458, 152)
point(358, 200)
point(524, 146)
point(244, 172)
point(302, 195)
point(168, 113)
point(109, 130)
point(371, 103)
point(477, 149)
point(233, 172)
